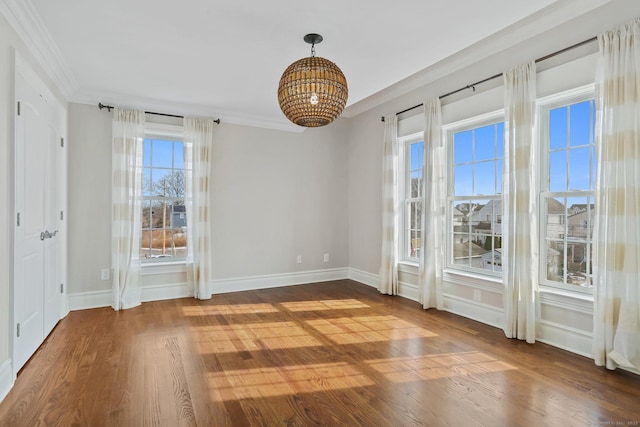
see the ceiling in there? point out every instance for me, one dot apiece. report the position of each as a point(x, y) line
point(225, 58)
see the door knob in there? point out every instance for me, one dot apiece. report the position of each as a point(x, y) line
point(48, 234)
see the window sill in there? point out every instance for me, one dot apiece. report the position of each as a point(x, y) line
point(478, 281)
point(409, 267)
point(475, 276)
point(566, 293)
point(152, 268)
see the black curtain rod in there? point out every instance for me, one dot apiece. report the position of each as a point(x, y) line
point(109, 107)
point(473, 85)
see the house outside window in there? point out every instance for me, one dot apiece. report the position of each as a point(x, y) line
point(164, 220)
point(568, 164)
point(474, 209)
point(411, 169)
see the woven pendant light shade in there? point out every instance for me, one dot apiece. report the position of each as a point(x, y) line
point(312, 92)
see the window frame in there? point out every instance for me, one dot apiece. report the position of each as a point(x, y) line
point(544, 106)
point(173, 133)
point(404, 171)
point(449, 130)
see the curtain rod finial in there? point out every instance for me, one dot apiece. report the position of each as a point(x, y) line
point(103, 106)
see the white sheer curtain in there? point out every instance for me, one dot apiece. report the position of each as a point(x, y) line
point(520, 218)
point(389, 255)
point(433, 210)
point(198, 138)
point(616, 238)
point(126, 200)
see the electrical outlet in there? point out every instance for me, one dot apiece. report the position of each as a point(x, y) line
point(326, 257)
point(105, 274)
point(477, 295)
point(299, 259)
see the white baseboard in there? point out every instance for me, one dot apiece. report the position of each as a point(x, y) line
point(223, 286)
point(565, 337)
point(364, 277)
point(487, 314)
point(557, 335)
point(462, 307)
point(65, 306)
point(96, 299)
point(405, 290)
point(6, 379)
point(408, 291)
point(87, 300)
point(551, 333)
point(165, 292)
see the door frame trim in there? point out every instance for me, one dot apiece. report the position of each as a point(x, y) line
point(22, 66)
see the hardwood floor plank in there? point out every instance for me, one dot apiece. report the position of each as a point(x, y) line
point(335, 353)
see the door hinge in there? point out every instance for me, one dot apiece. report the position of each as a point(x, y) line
point(61, 215)
point(18, 107)
point(62, 288)
point(18, 219)
point(61, 142)
point(18, 330)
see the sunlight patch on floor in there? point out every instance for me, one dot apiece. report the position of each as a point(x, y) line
point(323, 305)
point(362, 329)
point(406, 369)
point(225, 309)
point(287, 380)
point(254, 336)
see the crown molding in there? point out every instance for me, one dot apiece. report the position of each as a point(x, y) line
point(26, 22)
point(183, 109)
point(552, 16)
point(265, 123)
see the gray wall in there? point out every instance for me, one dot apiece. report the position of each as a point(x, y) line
point(275, 195)
point(88, 197)
point(365, 196)
point(566, 321)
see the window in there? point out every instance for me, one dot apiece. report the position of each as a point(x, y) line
point(476, 156)
point(164, 223)
point(567, 196)
point(411, 154)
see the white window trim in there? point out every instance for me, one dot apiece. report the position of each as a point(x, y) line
point(403, 168)
point(164, 130)
point(171, 132)
point(166, 267)
point(543, 105)
point(447, 134)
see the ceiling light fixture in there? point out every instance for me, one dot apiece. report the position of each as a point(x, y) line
point(312, 91)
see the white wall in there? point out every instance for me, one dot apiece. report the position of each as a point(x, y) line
point(275, 195)
point(9, 40)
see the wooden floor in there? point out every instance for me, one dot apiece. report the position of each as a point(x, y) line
point(335, 353)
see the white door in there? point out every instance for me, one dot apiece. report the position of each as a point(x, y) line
point(52, 300)
point(36, 293)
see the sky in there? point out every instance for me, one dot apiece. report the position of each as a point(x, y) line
point(478, 153)
point(162, 155)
